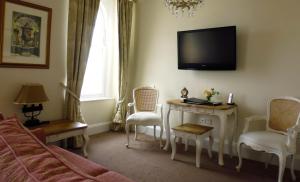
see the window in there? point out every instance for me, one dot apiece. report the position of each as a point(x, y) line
point(103, 54)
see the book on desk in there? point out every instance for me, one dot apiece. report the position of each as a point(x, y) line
point(198, 101)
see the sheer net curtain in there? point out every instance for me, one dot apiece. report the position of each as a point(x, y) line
point(100, 79)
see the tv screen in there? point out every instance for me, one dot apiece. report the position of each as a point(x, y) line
point(207, 49)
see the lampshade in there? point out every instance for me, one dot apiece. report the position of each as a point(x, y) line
point(31, 94)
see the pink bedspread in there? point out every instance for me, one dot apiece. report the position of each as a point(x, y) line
point(24, 158)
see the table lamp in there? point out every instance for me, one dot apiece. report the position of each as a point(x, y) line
point(32, 96)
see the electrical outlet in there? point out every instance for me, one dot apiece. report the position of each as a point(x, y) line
point(206, 121)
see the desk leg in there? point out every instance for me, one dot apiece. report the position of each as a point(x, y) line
point(167, 125)
point(233, 132)
point(86, 140)
point(181, 115)
point(223, 118)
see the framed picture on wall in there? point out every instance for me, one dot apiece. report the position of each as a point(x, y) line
point(24, 35)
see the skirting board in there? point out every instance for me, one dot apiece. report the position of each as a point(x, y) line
point(247, 152)
point(98, 128)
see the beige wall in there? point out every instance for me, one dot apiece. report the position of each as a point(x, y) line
point(267, 58)
point(268, 36)
point(11, 79)
point(98, 111)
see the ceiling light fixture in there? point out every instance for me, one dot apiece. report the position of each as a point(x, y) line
point(183, 6)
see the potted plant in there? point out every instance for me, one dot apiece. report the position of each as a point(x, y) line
point(210, 93)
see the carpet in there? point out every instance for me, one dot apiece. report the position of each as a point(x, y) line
point(144, 161)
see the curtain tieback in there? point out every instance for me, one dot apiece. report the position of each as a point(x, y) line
point(70, 91)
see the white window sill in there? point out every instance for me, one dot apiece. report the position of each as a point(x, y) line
point(95, 99)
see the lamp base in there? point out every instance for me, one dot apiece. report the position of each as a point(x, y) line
point(34, 122)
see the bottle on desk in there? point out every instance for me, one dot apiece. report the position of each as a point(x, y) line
point(230, 99)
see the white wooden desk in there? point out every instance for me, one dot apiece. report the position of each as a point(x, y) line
point(222, 111)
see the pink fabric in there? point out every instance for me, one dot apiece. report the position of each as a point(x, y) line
point(24, 158)
point(86, 166)
point(90, 167)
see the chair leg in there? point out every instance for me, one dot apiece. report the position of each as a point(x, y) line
point(173, 145)
point(198, 151)
point(238, 167)
point(292, 167)
point(178, 140)
point(127, 134)
point(160, 136)
point(135, 132)
point(186, 142)
point(154, 132)
point(269, 161)
point(282, 161)
point(211, 141)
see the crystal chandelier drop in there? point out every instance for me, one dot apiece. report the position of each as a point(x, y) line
point(183, 6)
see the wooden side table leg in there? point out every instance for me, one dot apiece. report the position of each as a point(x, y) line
point(86, 140)
point(186, 143)
point(173, 145)
point(198, 150)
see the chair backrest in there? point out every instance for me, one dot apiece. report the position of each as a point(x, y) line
point(145, 99)
point(283, 113)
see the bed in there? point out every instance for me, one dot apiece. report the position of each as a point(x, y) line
point(24, 157)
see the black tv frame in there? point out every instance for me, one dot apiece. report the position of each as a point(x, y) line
point(208, 66)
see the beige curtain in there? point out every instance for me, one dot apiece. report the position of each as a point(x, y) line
point(125, 8)
point(82, 17)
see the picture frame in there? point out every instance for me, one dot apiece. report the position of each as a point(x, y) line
point(24, 35)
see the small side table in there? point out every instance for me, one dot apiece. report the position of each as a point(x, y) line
point(195, 132)
point(63, 129)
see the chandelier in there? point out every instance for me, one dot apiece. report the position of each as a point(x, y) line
point(183, 6)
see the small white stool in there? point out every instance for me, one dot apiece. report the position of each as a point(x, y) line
point(195, 132)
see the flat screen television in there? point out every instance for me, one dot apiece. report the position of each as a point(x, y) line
point(207, 49)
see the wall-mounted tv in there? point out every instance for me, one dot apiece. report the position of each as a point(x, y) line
point(207, 49)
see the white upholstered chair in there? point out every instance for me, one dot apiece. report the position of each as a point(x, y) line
point(147, 112)
point(283, 125)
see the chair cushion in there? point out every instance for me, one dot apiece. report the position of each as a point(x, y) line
point(269, 140)
point(144, 118)
point(192, 128)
